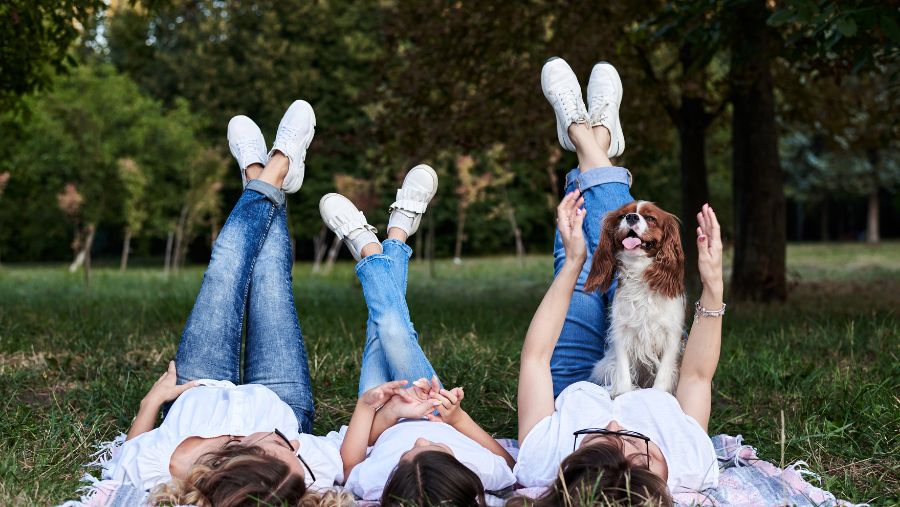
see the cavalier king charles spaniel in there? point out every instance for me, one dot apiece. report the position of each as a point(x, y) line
point(640, 245)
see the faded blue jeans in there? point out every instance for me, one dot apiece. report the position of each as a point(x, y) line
point(392, 349)
point(250, 272)
point(583, 337)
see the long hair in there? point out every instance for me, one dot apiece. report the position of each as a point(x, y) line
point(600, 475)
point(241, 476)
point(432, 479)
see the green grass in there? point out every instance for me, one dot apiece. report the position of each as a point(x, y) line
point(75, 363)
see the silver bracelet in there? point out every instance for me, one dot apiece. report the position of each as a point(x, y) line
point(699, 311)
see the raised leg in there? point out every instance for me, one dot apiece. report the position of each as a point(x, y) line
point(210, 345)
point(275, 353)
point(392, 349)
point(605, 188)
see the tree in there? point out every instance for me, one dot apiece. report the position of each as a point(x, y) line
point(134, 183)
point(35, 37)
point(78, 134)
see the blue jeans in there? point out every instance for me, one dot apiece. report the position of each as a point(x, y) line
point(583, 337)
point(392, 349)
point(250, 272)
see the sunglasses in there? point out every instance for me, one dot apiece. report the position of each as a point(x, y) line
point(619, 433)
point(306, 466)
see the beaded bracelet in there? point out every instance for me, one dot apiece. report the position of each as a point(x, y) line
point(699, 311)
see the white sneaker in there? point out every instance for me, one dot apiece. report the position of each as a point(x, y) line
point(247, 144)
point(347, 222)
point(561, 88)
point(295, 132)
point(604, 93)
point(419, 187)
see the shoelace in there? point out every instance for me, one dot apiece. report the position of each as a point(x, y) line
point(569, 102)
point(246, 146)
point(600, 108)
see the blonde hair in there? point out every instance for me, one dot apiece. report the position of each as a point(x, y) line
point(238, 476)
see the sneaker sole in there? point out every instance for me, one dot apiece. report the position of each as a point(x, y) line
point(561, 130)
point(295, 185)
point(617, 138)
point(434, 177)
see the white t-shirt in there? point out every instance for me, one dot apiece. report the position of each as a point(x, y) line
point(368, 478)
point(213, 409)
point(689, 452)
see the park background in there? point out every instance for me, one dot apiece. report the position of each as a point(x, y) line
point(115, 178)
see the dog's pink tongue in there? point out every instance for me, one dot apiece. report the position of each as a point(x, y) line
point(631, 243)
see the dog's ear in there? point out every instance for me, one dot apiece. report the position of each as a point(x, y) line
point(604, 264)
point(666, 274)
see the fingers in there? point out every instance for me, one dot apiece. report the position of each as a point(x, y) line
point(450, 395)
point(702, 244)
point(435, 383)
point(394, 384)
point(716, 230)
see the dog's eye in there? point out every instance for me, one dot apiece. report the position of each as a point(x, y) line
point(621, 217)
point(650, 219)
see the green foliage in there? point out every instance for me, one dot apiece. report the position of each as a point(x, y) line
point(35, 37)
point(72, 372)
point(840, 35)
point(78, 134)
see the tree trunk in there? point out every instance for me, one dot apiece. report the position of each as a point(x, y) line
point(177, 250)
point(823, 221)
point(460, 232)
point(759, 204)
point(169, 242)
point(332, 254)
point(872, 234)
point(319, 248)
point(86, 253)
point(126, 249)
point(694, 187)
point(517, 232)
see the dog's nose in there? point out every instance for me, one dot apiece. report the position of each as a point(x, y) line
point(632, 218)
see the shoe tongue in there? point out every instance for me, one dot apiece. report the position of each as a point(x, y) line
point(631, 243)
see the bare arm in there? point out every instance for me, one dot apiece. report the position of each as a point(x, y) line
point(359, 431)
point(701, 356)
point(535, 400)
point(165, 389)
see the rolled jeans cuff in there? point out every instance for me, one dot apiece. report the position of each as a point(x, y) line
point(405, 248)
point(598, 176)
point(268, 191)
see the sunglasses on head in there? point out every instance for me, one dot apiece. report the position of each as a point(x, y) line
point(288, 442)
point(618, 433)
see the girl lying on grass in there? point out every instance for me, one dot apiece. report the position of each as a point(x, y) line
point(581, 443)
point(409, 442)
point(222, 443)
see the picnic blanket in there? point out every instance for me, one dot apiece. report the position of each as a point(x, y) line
point(745, 480)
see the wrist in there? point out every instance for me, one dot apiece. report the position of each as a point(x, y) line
point(711, 299)
point(573, 266)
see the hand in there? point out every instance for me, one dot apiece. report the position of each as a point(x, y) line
point(709, 249)
point(569, 220)
point(450, 406)
point(167, 387)
point(376, 397)
point(408, 405)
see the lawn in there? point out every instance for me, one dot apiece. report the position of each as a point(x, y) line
point(74, 363)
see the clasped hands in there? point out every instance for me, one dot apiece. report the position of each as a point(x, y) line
point(422, 399)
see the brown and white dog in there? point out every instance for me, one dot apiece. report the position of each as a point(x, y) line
point(640, 245)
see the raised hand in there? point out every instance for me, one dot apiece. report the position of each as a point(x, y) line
point(167, 388)
point(709, 250)
point(408, 405)
point(569, 220)
point(449, 406)
point(379, 395)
